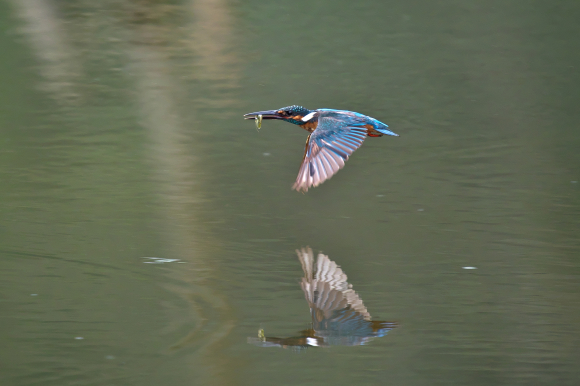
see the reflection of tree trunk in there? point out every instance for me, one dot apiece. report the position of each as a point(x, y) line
point(179, 189)
point(176, 171)
point(212, 40)
point(44, 29)
point(178, 174)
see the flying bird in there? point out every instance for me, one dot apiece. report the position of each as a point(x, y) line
point(334, 136)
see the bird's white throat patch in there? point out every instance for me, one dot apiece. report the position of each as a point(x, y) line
point(311, 342)
point(308, 117)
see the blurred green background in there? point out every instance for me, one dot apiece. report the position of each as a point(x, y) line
point(122, 138)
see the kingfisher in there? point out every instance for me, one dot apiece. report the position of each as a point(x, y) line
point(339, 316)
point(334, 136)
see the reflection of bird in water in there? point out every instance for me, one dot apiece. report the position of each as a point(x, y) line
point(334, 136)
point(339, 316)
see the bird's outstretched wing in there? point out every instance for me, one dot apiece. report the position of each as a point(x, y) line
point(327, 291)
point(327, 148)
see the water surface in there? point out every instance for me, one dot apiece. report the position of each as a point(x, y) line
point(123, 140)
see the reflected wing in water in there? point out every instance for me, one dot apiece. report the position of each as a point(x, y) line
point(339, 316)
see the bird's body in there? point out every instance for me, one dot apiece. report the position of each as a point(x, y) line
point(334, 136)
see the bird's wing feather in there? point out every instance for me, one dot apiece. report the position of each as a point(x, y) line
point(327, 290)
point(328, 147)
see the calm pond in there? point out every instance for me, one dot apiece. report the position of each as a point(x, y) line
point(149, 235)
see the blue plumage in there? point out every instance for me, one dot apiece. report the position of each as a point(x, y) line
point(339, 316)
point(334, 136)
point(354, 118)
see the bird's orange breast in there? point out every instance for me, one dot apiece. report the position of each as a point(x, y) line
point(371, 132)
point(310, 126)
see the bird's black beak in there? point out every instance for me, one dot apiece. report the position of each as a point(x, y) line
point(267, 114)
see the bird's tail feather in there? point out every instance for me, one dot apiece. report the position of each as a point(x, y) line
point(384, 130)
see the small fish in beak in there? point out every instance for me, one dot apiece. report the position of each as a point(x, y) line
point(259, 121)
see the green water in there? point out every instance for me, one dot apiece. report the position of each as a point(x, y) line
point(122, 139)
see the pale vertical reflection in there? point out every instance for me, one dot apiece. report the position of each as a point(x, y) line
point(43, 27)
point(212, 40)
point(179, 179)
point(180, 192)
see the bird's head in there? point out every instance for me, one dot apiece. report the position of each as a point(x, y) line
point(293, 114)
